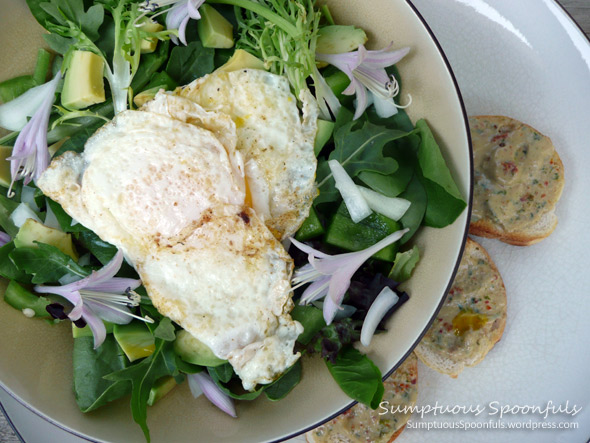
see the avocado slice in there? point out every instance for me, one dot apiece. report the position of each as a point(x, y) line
point(32, 231)
point(160, 388)
point(336, 39)
point(83, 85)
point(5, 178)
point(135, 339)
point(325, 129)
point(149, 44)
point(241, 60)
point(194, 351)
point(214, 30)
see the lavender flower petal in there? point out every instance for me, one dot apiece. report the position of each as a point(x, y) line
point(206, 384)
point(4, 238)
point(116, 284)
point(96, 326)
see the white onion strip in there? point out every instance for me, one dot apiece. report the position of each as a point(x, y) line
point(23, 212)
point(353, 199)
point(392, 207)
point(383, 303)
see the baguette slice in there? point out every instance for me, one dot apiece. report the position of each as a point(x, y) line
point(472, 318)
point(518, 181)
point(361, 424)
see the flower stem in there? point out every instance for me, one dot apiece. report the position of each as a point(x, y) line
point(263, 12)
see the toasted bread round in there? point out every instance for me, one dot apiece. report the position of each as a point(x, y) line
point(384, 424)
point(472, 318)
point(518, 181)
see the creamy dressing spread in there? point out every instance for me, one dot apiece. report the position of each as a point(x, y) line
point(517, 172)
point(475, 307)
point(362, 424)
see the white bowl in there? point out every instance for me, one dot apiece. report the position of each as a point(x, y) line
point(36, 363)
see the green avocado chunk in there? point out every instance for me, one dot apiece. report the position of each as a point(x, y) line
point(194, 351)
point(135, 339)
point(160, 388)
point(32, 231)
point(83, 84)
point(213, 28)
point(337, 39)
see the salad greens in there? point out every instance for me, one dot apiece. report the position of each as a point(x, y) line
point(378, 147)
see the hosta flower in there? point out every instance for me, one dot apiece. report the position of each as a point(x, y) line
point(203, 383)
point(368, 78)
point(4, 238)
point(330, 275)
point(327, 100)
point(100, 296)
point(30, 155)
point(177, 16)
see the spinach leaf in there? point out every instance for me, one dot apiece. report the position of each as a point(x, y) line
point(285, 383)
point(443, 208)
point(432, 162)
point(46, 263)
point(312, 320)
point(64, 220)
point(223, 373)
point(143, 375)
point(357, 376)
point(90, 365)
point(150, 64)
point(233, 387)
point(187, 63)
point(77, 141)
point(8, 269)
point(413, 217)
point(102, 250)
point(6, 207)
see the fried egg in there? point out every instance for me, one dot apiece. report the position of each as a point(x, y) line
point(166, 185)
point(274, 140)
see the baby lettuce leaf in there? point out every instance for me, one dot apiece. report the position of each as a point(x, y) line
point(445, 201)
point(357, 376)
point(143, 375)
point(404, 264)
point(61, 12)
point(187, 63)
point(285, 383)
point(90, 365)
point(46, 263)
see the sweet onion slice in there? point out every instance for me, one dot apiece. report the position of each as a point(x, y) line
point(391, 207)
point(383, 303)
point(353, 199)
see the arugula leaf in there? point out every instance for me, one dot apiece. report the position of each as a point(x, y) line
point(357, 376)
point(46, 263)
point(40, 15)
point(62, 11)
point(102, 250)
point(187, 63)
point(143, 375)
point(394, 184)
point(59, 44)
point(8, 269)
point(90, 365)
point(285, 383)
point(312, 320)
